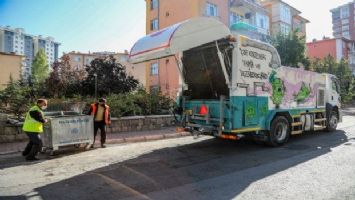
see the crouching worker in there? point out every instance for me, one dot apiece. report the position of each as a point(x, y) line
point(33, 127)
point(101, 113)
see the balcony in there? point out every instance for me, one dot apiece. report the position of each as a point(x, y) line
point(251, 5)
point(251, 31)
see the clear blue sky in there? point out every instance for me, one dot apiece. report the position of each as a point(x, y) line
point(114, 25)
point(80, 25)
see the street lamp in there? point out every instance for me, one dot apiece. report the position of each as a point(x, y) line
point(95, 75)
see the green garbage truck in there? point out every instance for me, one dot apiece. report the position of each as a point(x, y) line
point(232, 86)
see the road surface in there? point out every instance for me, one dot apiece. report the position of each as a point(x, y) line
point(311, 166)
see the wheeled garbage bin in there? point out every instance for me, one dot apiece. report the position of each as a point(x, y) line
point(67, 128)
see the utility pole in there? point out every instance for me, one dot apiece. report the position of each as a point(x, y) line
point(95, 86)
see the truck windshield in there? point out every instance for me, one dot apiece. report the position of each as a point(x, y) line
point(203, 71)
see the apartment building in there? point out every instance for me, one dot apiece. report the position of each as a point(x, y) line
point(249, 17)
point(135, 70)
point(284, 18)
point(10, 65)
point(162, 75)
point(49, 45)
point(338, 48)
point(20, 43)
point(343, 18)
point(79, 61)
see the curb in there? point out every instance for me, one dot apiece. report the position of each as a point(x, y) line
point(129, 140)
point(148, 138)
point(10, 152)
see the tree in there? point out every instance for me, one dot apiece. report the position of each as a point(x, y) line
point(53, 83)
point(330, 65)
point(351, 92)
point(40, 67)
point(15, 99)
point(317, 66)
point(64, 80)
point(344, 75)
point(111, 77)
point(291, 48)
point(340, 69)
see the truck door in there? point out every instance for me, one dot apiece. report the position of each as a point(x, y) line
point(334, 95)
point(255, 110)
point(250, 111)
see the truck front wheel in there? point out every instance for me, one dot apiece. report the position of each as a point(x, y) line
point(280, 132)
point(332, 122)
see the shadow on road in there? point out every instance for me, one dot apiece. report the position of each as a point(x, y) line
point(16, 159)
point(211, 169)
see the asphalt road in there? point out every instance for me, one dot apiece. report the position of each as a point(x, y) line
point(320, 165)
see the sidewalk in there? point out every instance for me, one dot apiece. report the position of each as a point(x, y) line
point(348, 110)
point(112, 138)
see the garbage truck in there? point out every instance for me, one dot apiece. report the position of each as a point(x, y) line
point(234, 87)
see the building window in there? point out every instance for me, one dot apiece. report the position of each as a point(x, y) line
point(284, 29)
point(345, 28)
point(154, 89)
point(345, 21)
point(154, 69)
point(211, 10)
point(234, 18)
point(344, 12)
point(154, 4)
point(285, 13)
point(337, 29)
point(262, 21)
point(338, 35)
point(346, 34)
point(77, 58)
point(154, 24)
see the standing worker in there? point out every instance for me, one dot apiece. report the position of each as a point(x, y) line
point(33, 127)
point(101, 113)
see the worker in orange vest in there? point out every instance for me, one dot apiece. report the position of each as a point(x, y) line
point(101, 113)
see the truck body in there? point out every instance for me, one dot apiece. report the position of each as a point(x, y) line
point(232, 86)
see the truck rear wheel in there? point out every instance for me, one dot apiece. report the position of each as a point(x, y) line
point(332, 122)
point(280, 132)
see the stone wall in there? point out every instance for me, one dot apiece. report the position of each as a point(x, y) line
point(10, 133)
point(13, 133)
point(140, 123)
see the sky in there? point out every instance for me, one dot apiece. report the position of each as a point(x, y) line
point(79, 25)
point(114, 25)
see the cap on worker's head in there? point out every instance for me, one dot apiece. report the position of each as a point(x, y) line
point(102, 100)
point(40, 101)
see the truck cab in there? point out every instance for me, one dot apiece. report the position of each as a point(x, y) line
point(333, 100)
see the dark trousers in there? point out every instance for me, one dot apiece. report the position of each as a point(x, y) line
point(33, 146)
point(102, 126)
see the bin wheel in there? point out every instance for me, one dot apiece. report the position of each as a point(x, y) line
point(87, 146)
point(77, 145)
point(43, 150)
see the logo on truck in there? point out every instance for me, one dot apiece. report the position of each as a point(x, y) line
point(278, 89)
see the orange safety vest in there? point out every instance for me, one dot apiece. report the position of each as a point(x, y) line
point(106, 113)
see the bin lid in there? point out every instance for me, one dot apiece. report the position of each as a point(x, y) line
point(178, 38)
